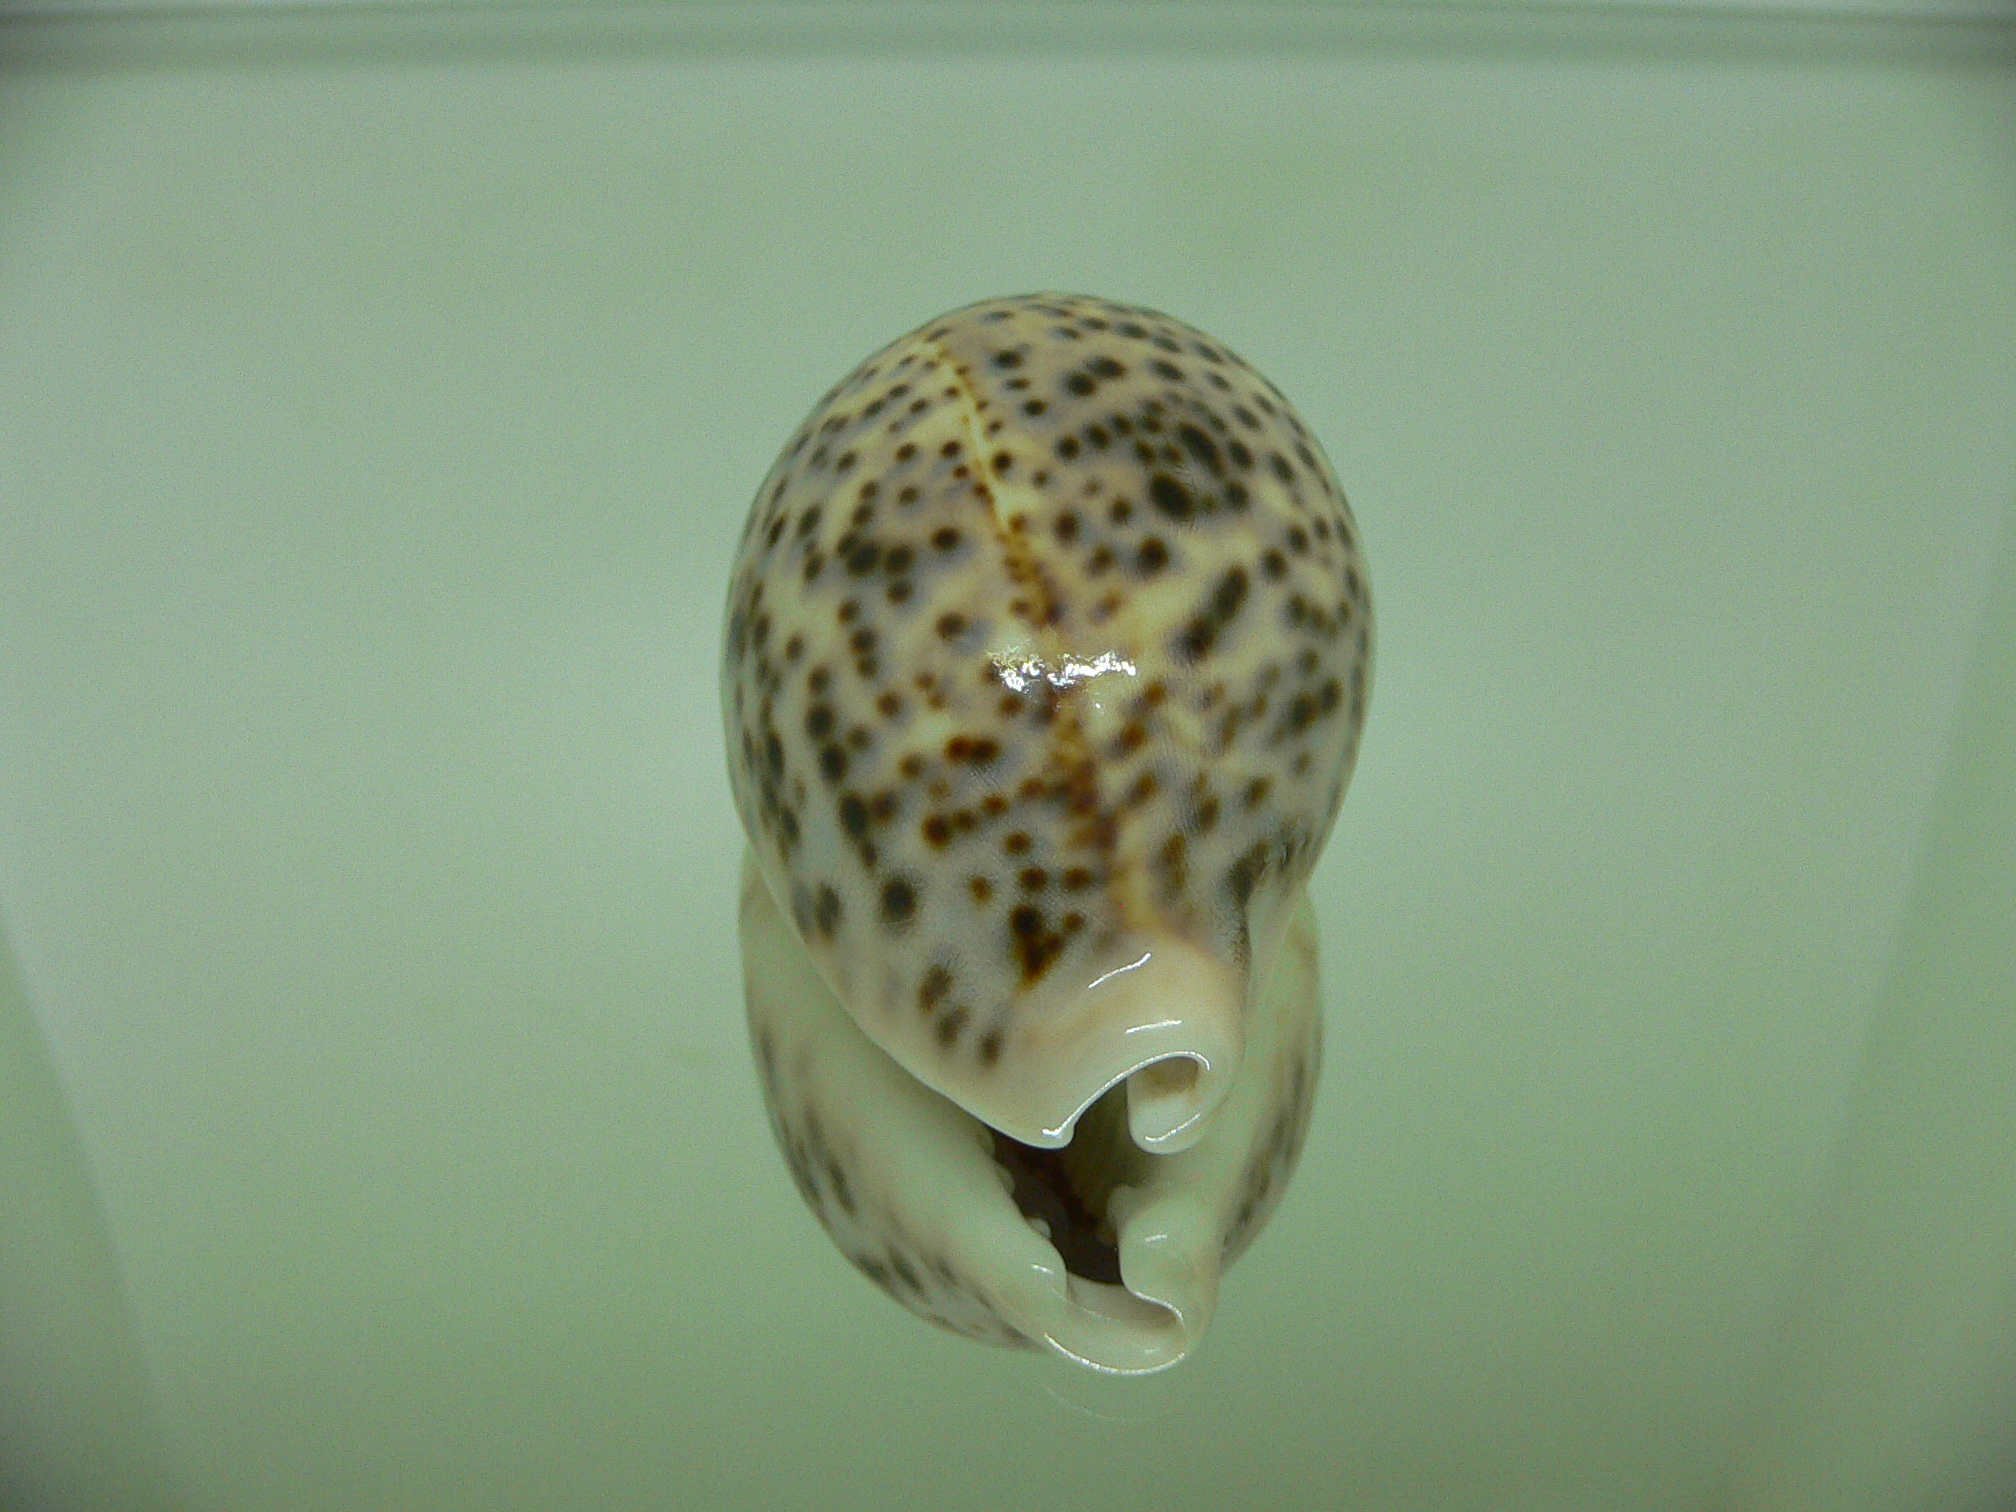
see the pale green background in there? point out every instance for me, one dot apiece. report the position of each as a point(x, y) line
point(376, 421)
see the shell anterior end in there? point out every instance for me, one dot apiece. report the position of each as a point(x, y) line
point(1153, 1320)
point(1169, 1022)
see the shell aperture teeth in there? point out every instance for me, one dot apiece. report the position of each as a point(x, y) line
point(1069, 1190)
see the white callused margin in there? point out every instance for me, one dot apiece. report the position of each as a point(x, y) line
point(906, 1182)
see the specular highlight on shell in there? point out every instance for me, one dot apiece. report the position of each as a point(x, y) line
point(1048, 646)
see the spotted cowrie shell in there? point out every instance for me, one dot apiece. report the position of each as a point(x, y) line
point(1048, 647)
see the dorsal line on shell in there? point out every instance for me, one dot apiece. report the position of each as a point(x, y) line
point(1094, 824)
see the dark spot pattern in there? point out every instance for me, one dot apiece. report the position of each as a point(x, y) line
point(1274, 1154)
point(1241, 582)
point(956, 588)
point(850, 1197)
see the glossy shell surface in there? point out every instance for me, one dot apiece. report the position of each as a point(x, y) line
point(1048, 646)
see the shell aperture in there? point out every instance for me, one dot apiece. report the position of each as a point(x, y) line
point(1048, 647)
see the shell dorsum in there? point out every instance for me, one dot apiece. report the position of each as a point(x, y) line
point(1048, 647)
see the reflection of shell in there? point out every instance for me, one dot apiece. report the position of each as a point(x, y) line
point(1048, 647)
